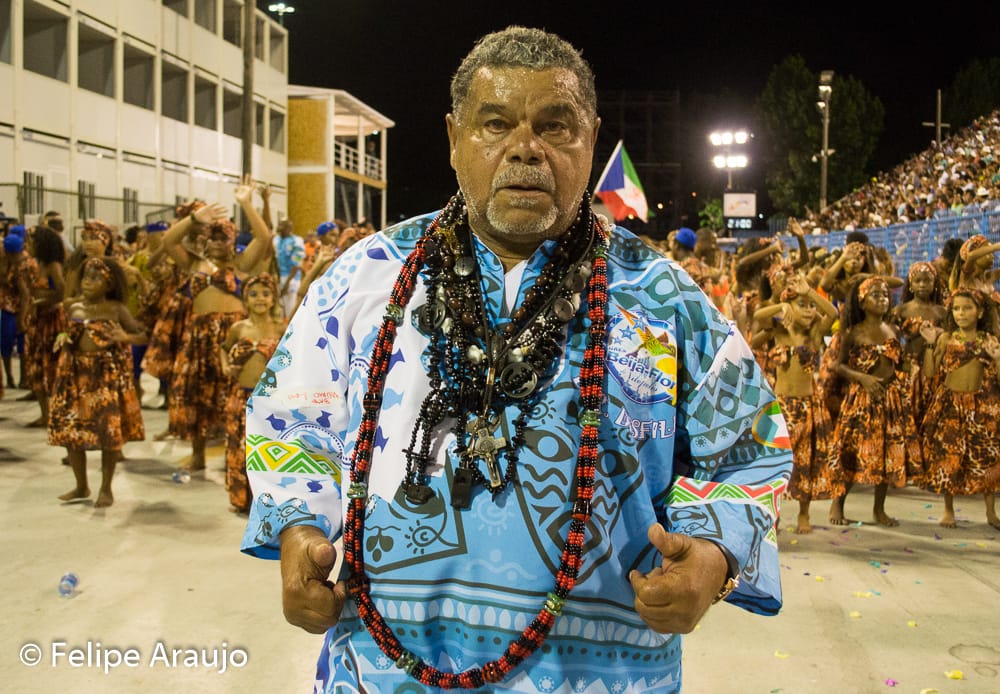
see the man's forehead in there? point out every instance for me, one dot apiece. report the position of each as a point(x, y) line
point(512, 83)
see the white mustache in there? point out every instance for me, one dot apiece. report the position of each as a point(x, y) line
point(523, 175)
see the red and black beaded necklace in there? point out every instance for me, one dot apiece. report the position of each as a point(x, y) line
point(591, 394)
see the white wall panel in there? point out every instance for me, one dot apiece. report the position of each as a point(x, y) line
point(204, 148)
point(98, 118)
point(44, 104)
point(138, 130)
point(138, 18)
point(6, 93)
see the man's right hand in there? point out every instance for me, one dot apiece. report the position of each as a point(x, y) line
point(308, 598)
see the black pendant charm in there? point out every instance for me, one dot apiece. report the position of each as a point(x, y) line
point(461, 488)
point(417, 494)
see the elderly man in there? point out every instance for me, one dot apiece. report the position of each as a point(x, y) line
point(545, 451)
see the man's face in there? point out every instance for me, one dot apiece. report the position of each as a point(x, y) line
point(522, 147)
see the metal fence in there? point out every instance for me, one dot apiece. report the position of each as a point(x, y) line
point(920, 240)
point(27, 204)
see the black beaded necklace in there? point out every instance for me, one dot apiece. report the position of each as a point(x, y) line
point(476, 370)
point(591, 379)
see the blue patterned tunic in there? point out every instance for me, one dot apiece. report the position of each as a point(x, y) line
point(691, 437)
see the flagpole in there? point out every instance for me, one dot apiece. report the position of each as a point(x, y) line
point(607, 167)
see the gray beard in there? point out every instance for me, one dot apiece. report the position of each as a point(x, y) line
point(536, 228)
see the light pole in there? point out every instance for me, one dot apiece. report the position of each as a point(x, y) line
point(729, 160)
point(823, 105)
point(281, 9)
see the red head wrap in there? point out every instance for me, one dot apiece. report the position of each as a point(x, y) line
point(866, 287)
point(922, 266)
point(971, 244)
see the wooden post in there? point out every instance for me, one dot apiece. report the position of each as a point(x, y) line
point(247, 124)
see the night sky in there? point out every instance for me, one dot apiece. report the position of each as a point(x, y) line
point(398, 57)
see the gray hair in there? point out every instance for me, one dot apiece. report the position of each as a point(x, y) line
point(518, 46)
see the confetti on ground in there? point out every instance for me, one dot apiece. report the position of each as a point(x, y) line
point(908, 550)
point(855, 615)
point(863, 593)
point(857, 524)
point(820, 579)
point(936, 536)
point(954, 674)
point(929, 691)
point(911, 623)
point(876, 564)
point(980, 544)
point(928, 506)
point(918, 582)
point(891, 682)
point(781, 654)
point(795, 542)
point(961, 544)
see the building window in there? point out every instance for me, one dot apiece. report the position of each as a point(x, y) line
point(258, 123)
point(277, 132)
point(278, 51)
point(232, 22)
point(174, 97)
point(178, 6)
point(130, 205)
point(85, 200)
point(45, 34)
point(33, 190)
point(96, 51)
point(137, 76)
point(232, 113)
point(5, 20)
point(204, 103)
point(204, 14)
point(259, 38)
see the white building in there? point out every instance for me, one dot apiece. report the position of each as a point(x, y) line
point(119, 108)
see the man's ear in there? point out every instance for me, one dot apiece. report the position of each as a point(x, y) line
point(452, 125)
point(597, 127)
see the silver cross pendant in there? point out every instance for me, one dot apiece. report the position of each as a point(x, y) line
point(485, 445)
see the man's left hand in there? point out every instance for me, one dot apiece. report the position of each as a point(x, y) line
point(673, 596)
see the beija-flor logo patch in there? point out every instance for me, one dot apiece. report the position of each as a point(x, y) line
point(770, 429)
point(642, 357)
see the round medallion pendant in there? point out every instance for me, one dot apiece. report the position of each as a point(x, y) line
point(429, 318)
point(465, 266)
point(563, 310)
point(518, 380)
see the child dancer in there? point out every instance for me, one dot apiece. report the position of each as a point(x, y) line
point(962, 424)
point(922, 305)
point(46, 318)
point(875, 439)
point(795, 354)
point(248, 347)
point(94, 405)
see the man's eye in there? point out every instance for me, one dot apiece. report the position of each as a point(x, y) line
point(554, 127)
point(495, 125)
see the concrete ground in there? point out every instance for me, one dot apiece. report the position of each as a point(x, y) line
point(868, 609)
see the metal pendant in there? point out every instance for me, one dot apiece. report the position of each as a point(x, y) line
point(465, 266)
point(518, 380)
point(563, 310)
point(429, 317)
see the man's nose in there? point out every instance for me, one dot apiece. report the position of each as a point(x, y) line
point(525, 146)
